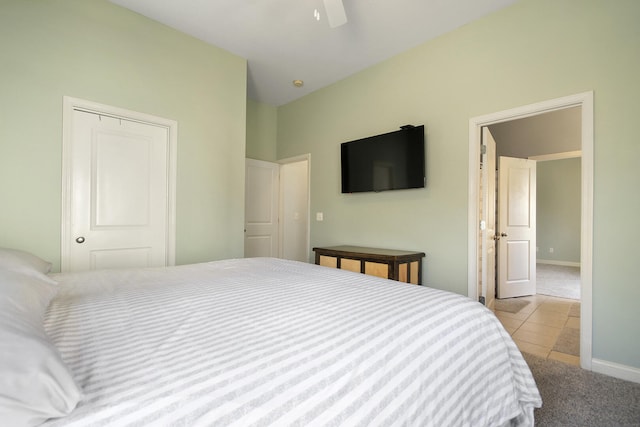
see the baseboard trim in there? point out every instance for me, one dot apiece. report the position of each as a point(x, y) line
point(553, 262)
point(616, 370)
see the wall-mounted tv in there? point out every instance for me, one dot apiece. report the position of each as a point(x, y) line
point(391, 161)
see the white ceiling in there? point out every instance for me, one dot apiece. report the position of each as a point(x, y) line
point(555, 132)
point(282, 41)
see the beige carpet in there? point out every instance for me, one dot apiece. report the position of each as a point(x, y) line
point(558, 281)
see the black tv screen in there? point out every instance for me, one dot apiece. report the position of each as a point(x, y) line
point(391, 161)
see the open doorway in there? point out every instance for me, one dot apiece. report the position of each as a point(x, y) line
point(584, 102)
point(544, 319)
point(553, 141)
point(277, 201)
point(558, 218)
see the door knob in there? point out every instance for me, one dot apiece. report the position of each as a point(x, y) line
point(503, 234)
point(80, 239)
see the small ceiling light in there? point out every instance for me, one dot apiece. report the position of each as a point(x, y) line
point(316, 14)
point(298, 83)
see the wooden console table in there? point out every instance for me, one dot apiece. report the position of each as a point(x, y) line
point(404, 266)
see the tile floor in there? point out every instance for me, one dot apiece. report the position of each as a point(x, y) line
point(536, 327)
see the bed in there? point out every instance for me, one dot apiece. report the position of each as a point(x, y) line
point(271, 342)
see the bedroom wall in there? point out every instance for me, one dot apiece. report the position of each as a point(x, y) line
point(262, 120)
point(558, 210)
point(97, 51)
point(532, 51)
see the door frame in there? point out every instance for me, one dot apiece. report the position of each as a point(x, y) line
point(69, 105)
point(280, 235)
point(584, 100)
point(488, 230)
point(301, 158)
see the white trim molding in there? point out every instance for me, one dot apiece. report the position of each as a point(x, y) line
point(584, 100)
point(554, 262)
point(617, 370)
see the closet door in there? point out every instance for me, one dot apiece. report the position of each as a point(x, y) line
point(118, 196)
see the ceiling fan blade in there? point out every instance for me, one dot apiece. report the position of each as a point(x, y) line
point(335, 13)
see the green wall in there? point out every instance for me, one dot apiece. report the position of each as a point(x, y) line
point(261, 131)
point(94, 50)
point(558, 210)
point(532, 51)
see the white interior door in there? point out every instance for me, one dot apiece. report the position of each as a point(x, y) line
point(261, 237)
point(119, 207)
point(488, 230)
point(516, 227)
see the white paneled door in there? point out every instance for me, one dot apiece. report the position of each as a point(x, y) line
point(118, 188)
point(516, 227)
point(262, 200)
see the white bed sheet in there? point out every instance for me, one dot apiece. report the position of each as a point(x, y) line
point(257, 342)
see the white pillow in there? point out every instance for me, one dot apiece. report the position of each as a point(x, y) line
point(35, 384)
point(24, 262)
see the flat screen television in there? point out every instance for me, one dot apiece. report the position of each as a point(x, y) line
point(391, 161)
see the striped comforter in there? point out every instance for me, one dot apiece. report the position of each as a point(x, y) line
point(259, 342)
